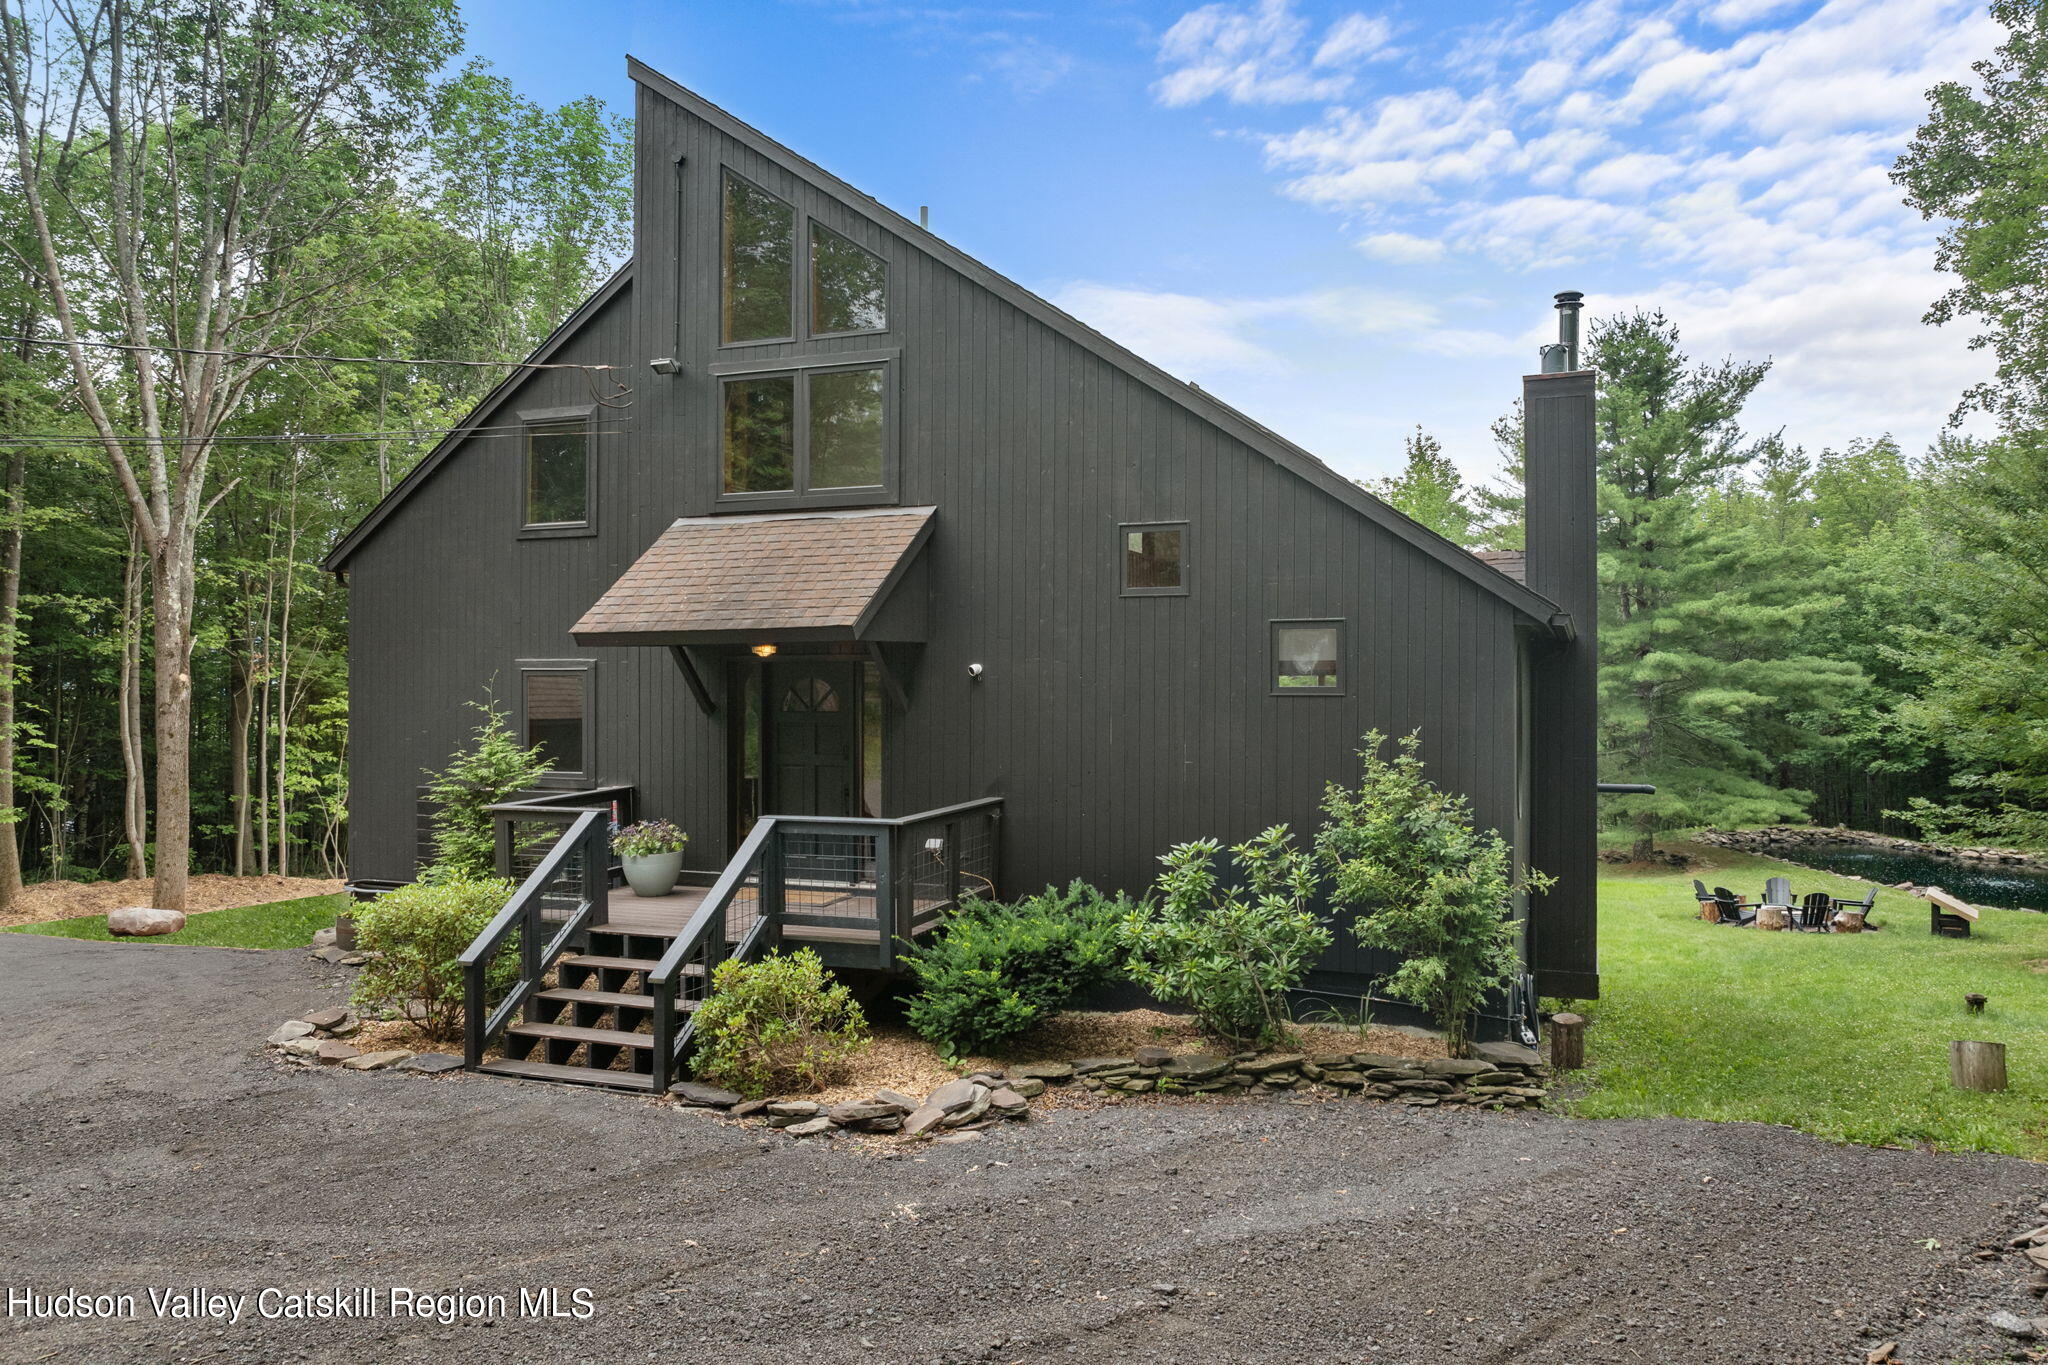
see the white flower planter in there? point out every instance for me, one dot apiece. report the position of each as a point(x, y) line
point(652, 874)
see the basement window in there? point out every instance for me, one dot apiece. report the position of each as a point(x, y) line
point(1307, 658)
point(1154, 559)
point(554, 716)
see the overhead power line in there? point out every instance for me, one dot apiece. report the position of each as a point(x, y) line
point(304, 355)
point(57, 438)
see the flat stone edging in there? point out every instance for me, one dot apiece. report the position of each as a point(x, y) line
point(1498, 1076)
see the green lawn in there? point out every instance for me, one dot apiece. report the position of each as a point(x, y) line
point(1842, 1035)
point(280, 924)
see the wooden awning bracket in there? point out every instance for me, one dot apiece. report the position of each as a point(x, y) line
point(681, 654)
point(891, 684)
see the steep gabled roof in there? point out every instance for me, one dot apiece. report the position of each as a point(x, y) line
point(1258, 437)
point(1267, 442)
point(424, 470)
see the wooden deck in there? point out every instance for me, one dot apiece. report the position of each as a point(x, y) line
point(667, 915)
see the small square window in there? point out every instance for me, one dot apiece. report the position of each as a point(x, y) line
point(554, 714)
point(558, 473)
point(1307, 657)
point(1154, 559)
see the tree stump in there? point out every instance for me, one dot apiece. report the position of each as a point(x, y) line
point(1849, 921)
point(1774, 917)
point(1567, 1041)
point(1710, 911)
point(1976, 1066)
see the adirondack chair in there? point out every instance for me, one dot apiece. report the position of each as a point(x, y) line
point(1734, 910)
point(1708, 910)
point(1853, 917)
point(1778, 891)
point(1816, 910)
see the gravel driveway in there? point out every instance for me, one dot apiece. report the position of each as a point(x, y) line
point(152, 1143)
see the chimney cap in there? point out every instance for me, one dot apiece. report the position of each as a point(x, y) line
point(1570, 298)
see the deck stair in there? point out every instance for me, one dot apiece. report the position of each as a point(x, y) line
point(595, 1025)
point(559, 987)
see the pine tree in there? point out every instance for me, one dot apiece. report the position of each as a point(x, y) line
point(1701, 620)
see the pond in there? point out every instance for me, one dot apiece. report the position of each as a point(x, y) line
point(1977, 883)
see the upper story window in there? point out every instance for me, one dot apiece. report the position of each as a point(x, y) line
point(1307, 657)
point(1155, 559)
point(818, 430)
point(848, 285)
point(759, 266)
point(559, 477)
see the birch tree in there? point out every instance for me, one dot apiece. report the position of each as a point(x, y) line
point(195, 174)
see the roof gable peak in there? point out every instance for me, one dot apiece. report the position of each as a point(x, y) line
point(1203, 404)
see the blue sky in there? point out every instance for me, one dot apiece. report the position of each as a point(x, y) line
point(1348, 219)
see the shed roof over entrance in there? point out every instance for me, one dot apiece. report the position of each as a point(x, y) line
point(744, 579)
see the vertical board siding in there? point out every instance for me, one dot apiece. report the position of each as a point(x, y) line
point(1113, 726)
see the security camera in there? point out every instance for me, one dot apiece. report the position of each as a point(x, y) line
point(974, 670)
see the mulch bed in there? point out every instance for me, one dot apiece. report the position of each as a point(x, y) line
point(900, 1060)
point(55, 900)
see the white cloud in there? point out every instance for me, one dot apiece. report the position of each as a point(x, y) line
point(1029, 65)
point(1402, 248)
point(1354, 38)
point(1262, 54)
point(1201, 338)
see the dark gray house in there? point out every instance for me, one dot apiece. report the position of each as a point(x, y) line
point(882, 534)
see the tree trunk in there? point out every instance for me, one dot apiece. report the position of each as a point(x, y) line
point(170, 589)
point(10, 616)
point(242, 708)
point(284, 679)
point(134, 785)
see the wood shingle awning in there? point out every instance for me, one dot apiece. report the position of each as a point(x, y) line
point(767, 578)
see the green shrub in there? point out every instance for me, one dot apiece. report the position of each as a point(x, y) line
point(1230, 954)
point(777, 1026)
point(1426, 885)
point(492, 770)
point(417, 932)
point(998, 969)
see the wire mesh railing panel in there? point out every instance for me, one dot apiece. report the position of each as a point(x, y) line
point(532, 838)
point(975, 855)
point(743, 911)
point(828, 877)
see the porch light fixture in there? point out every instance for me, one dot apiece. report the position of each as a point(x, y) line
point(764, 651)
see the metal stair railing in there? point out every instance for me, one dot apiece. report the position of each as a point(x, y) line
point(897, 877)
point(555, 907)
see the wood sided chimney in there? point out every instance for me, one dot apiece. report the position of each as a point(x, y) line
point(1561, 485)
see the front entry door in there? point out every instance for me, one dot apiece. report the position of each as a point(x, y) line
point(813, 714)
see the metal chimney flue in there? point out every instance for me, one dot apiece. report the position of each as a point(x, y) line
point(1562, 356)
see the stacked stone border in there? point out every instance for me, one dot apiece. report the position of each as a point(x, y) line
point(1498, 1076)
point(1788, 840)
